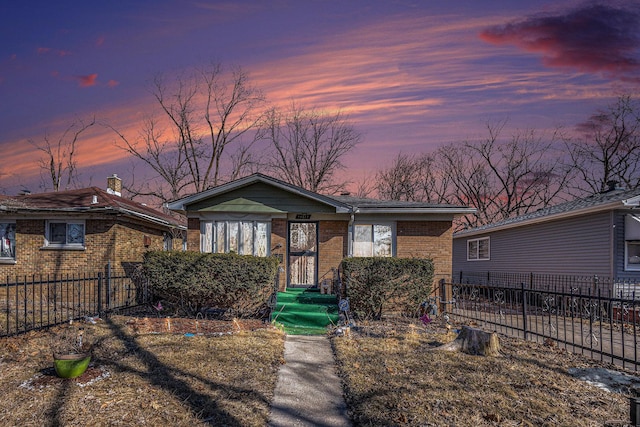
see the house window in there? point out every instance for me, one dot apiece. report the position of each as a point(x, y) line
point(632, 242)
point(241, 237)
point(64, 234)
point(372, 240)
point(633, 255)
point(167, 242)
point(7, 242)
point(478, 249)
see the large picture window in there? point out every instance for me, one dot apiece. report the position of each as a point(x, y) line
point(633, 255)
point(241, 237)
point(7, 241)
point(64, 234)
point(478, 249)
point(372, 240)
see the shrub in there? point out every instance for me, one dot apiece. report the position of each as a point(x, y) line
point(376, 285)
point(191, 281)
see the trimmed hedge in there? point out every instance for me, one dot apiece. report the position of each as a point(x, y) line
point(378, 285)
point(192, 281)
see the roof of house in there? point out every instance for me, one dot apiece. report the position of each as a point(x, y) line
point(615, 199)
point(342, 203)
point(90, 200)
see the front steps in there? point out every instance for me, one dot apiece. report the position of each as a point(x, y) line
point(301, 311)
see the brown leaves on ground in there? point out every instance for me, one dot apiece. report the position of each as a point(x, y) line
point(392, 380)
point(142, 375)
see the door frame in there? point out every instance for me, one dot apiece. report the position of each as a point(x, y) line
point(315, 254)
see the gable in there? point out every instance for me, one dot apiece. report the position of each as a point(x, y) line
point(259, 197)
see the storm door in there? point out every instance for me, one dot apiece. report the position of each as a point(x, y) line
point(303, 254)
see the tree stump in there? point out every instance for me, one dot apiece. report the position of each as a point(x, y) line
point(474, 341)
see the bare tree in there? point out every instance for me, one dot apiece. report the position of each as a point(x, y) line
point(209, 122)
point(412, 178)
point(610, 147)
point(59, 163)
point(505, 179)
point(307, 147)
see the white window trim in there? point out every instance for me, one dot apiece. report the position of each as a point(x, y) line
point(66, 246)
point(213, 244)
point(477, 241)
point(372, 223)
point(632, 267)
point(10, 260)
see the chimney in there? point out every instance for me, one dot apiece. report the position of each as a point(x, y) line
point(114, 185)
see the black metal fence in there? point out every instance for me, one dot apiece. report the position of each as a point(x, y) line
point(36, 302)
point(610, 287)
point(587, 320)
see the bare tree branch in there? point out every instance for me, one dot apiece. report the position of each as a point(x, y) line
point(59, 159)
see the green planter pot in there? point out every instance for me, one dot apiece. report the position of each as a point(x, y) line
point(71, 365)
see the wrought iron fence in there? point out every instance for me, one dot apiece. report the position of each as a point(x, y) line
point(610, 287)
point(597, 324)
point(36, 302)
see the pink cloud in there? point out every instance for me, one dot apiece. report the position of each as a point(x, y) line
point(88, 80)
point(592, 38)
point(43, 50)
point(113, 83)
point(100, 41)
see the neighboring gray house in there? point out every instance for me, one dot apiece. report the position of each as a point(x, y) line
point(597, 235)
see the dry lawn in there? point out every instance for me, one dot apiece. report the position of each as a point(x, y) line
point(141, 378)
point(393, 377)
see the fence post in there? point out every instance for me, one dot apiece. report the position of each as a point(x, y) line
point(108, 285)
point(99, 294)
point(524, 310)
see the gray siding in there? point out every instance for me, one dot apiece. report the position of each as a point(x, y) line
point(574, 246)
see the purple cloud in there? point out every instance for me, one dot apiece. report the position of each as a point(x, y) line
point(592, 38)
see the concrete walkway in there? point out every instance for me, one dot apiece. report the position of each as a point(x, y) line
point(308, 391)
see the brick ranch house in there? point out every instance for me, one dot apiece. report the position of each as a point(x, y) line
point(80, 231)
point(311, 233)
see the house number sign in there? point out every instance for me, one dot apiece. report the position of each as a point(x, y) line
point(303, 216)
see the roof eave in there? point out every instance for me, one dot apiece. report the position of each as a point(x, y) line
point(546, 218)
point(422, 211)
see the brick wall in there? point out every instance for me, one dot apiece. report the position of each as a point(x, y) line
point(279, 238)
point(333, 247)
point(105, 240)
point(427, 239)
point(193, 234)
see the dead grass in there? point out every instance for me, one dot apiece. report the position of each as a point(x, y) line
point(393, 378)
point(226, 376)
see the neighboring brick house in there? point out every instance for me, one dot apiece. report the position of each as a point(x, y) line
point(312, 233)
point(80, 231)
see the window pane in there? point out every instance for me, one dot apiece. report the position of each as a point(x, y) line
point(381, 240)
point(472, 249)
point(483, 249)
point(362, 240)
point(633, 254)
point(221, 241)
point(8, 240)
point(57, 233)
point(234, 228)
point(75, 234)
point(261, 239)
point(247, 238)
point(207, 237)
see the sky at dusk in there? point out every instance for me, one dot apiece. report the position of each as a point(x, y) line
point(411, 75)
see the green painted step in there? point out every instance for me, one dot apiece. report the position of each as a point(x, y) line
point(305, 311)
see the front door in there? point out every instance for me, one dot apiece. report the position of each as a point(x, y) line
point(303, 254)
